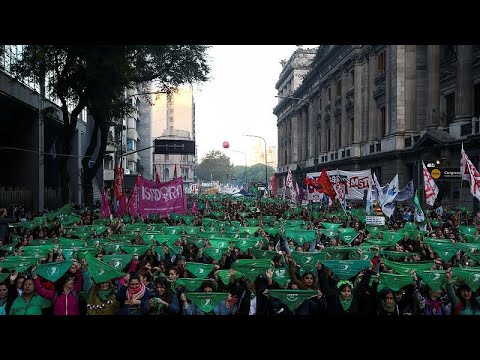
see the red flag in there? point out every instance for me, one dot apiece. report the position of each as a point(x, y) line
point(119, 182)
point(157, 176)
point(326, 184)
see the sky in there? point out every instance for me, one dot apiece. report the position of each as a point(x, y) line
point(239, 99)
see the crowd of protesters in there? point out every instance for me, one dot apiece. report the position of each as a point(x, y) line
point(161, 279)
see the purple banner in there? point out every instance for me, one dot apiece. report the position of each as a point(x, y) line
point(159, 198)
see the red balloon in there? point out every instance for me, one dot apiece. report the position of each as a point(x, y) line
point(226, 145)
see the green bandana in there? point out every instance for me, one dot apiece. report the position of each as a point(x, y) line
point(281, 276)
point(214, 253)
point(100, 271)
point(224, 275)
point(53, 271)
point(331, 226)
point(346, 303)
point(117, 261)
point(345, 269)
point(435, 279)
point(301, 236)
point(199, 270)
point(189, 283)
point(470, 275)
point(206, 301)
point(308, 260)
point(394, 281)
point(104, 294)
point(407, 267)
point(264, 254)
point(292, 298)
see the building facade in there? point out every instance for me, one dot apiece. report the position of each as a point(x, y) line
point(380, 107)
point(173, 118)
point(31, 142)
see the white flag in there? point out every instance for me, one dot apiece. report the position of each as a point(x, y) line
point(473, 175)
point(431, 189)
point(406, 193)
point(389, 203)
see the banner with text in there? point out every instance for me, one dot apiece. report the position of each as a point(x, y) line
point(357, 182)
point(160, 198)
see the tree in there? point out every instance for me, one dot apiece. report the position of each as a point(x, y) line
point(215, 166)
point(96, 77)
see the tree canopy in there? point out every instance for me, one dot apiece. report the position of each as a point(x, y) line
point(214, 166)
point(255, 173)
point(95, 77)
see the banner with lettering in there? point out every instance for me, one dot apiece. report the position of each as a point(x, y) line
point(357, 182)
point(149, 197)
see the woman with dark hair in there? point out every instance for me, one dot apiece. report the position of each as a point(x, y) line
point(162, 297)
point(29, 303)
point(102, 299)
point(387, 304)
point(134, 298)
point(463, 301)
point(66, 296)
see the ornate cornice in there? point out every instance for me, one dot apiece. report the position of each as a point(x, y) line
point(379, 92)
point(447, 71)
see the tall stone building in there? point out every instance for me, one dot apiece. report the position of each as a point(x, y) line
point(381, 107)
point(173, 118)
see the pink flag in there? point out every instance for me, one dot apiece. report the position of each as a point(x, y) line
point(105, 208)
point(194, 208)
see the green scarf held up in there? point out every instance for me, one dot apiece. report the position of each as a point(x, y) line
point(346, 303)
point(206, 301)
point(292, 298)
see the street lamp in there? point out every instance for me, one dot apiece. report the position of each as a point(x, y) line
point(246, 168)
point(266, 166)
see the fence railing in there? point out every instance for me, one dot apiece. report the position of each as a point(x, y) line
point(21, 196)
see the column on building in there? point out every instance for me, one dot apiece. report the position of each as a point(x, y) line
point(312, 114)
point(333, 123)
point(464, 85)
point(357, 109)
point(343, 116)
point(304, 143)
point(323, 133)
point(433, 85)
point(294, 120)
point(410, 86)
point(315, 126)
point(280, 144)
point(372, 109)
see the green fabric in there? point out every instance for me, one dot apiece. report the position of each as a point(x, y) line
point(470, 230)
point(268, 219)
point(295, 222)
point(118, 262)
point(4, 276)
point(206, 301)
point(374, 230)
point(244, 214)
point(264, 254)
point(249, 230)
point(308, 260)
point(100, 271)
point(163, 239)
point(445, 251)
point(70, 242)
point(435, 223)
point(345, 269)
point(346, 303)
point(37, 251)
point(224, 275)
point(220, 243)
point(394, 281)
point(272, 230)
point(112, 248)
point(188, 218)
point(191, 230)
point(396, 254)
point(37, 242)
point(410, 226)
point(349, 236)
point(331, 226)
point(208, 222)
point(393, 236)
point(407, 267)
point(435, 279)
point(214, 253)
point(175, 250)
point(470, 275)
point(135, 249)
point(244, 244)
point(301, 236)
point(198, 242)
point(172, 230)
point(292, 298)
point(281, 276)
point(121, 238)
point(174, 216)
point(53, 271)
point(252, 268)
point(252, 222)
point(191, 284)
point(199, 270)
point(329, 233)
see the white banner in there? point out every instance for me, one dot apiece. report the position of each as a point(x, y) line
point(357, 183)
point(375, 220)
